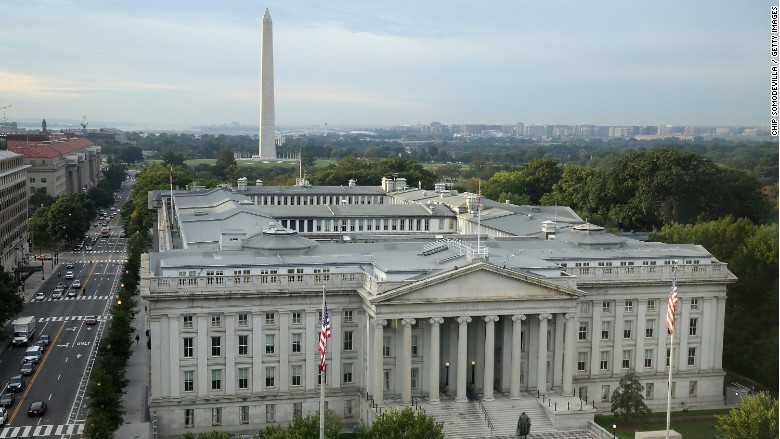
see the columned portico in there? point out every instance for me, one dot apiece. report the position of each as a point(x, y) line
point(460, 385)
point(433, 392)
point(490, 349)
point(517, 335)
point(541, 368)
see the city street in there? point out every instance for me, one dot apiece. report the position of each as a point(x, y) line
point(61, 377)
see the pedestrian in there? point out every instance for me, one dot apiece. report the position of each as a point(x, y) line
point(145, 308)
point(137, 338)
point(147, 333)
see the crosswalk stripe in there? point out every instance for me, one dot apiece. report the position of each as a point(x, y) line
point(69, 319)
point(41, 430)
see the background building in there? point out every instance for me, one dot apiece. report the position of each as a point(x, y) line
point(13, 210)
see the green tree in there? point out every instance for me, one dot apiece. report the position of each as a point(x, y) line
point(171, 158)
point(38, 225)
point(756, 418)
point(40, 198)
point(628, 399)
point(404, 424)
point(130, 154)
point(304, 428)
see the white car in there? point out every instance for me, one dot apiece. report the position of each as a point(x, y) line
point(76, 284)
point(69, 275)
point(33, 354)
point(40, 297)
point(3, 416)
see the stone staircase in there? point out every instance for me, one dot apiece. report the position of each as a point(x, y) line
point(461, 419)
point(504, 412)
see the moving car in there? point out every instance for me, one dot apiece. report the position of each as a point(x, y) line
point(3, 416)
point(44, 338)
point(40, 296)
point(7, 399)
point(56, 294)
point(72, 292)
point(27, 369)
point(76, 284)
point(69, 275)
point(61, 286)
point(69, 266)
point(90, 320)
point(43, 344)
point(37, 409)
point(33, 354)
point(88, 248)
point(16, 383)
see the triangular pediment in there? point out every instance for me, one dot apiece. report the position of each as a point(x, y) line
point(478, 282)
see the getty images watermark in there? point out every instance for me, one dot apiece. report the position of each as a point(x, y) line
point(773, 124)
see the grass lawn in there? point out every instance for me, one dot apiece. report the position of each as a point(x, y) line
point(691, 425)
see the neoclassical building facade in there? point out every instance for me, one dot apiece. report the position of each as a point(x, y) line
point(567, 310)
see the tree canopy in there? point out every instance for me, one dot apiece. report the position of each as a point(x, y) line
point(628, 399)
point(756, 418)
point(404, 424)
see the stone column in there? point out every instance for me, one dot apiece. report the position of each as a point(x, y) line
point(433, 391)
point(230, 341)
point(568, 354)
point(541, 354)
point(517, 335)
point(202, 353)
point(175, 350)
point(406, 361)
point(490, 349)
point(462, 364)
point(379, 325)
point(257, 356)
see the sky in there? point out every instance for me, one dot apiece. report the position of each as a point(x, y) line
point(176, 64)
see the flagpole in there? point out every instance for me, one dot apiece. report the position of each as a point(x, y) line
point(322, 377)
point(479, 217)
point(670, 314)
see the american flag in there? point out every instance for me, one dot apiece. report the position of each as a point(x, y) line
point(671, 307)
point(324, 336)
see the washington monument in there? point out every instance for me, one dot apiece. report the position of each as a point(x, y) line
point(267, 117)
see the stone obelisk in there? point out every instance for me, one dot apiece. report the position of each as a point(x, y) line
point(267, 114)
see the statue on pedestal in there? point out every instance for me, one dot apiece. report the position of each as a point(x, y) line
point(523, 426)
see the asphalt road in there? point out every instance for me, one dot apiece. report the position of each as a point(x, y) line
point(62, 374)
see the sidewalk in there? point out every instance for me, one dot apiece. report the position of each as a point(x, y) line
point(136, 418)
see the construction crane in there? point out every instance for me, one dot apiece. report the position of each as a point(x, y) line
point(84, 124)
point(3, 107)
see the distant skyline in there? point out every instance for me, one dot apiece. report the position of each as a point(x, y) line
point(176, 64)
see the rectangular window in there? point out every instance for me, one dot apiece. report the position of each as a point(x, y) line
point(692, 388)
point(243, 319)
point(348, 340)
point(270, 413)
point(294, 275)
point(584, 307)
point(297, 410)
point(348, 316)
point(270, 318)
point(189, 350)
point(651, 305)
point(348, 373)
point(582, 361)
point(243, 377)
point(386, 378)
point(415, 345)
point(626, 359)
point(189, 383)
point(189, 418)
point(270, 376)
point(668, 354)
point(649, 390)
point(606, 307)
point(348, 408)
point(385, 346)
point(216, 346)
point(243, 414)
point(583, 331)
point(694, 304)
point(649, 328)
point(270, 346)
point(691, 356)
point(296, 338)
point(692, 325)
point(216, 321)
point(415, 377)
point(605, 393)
point(269, 276)
point(605, 330)
point(296, 318)
point(627, 324)
point(649, 354)
point(296, 373)
point(322, 376)
point(187, 321)
point(216, 379)
point(243, 345)
point(629, 306)
point(321, 274)
point(604, 360)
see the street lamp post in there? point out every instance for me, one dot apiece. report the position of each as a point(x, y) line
point(447, 374)
point(42, 276)
point(614, 427)
point(473, 367)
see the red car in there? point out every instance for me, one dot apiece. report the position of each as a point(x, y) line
point(37, 409)
point(90, 320)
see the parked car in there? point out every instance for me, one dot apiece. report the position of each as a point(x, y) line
point(27, 368)
point(7, 399)
point(90, 320)
point(37, 409)
point(16, 383)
